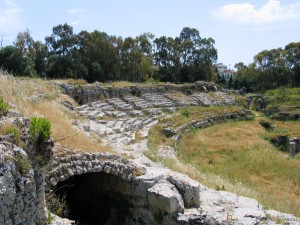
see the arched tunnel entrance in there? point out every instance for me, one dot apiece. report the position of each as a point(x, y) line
point(96, 198)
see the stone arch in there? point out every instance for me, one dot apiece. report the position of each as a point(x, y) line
point(78, 164)
point(147, 191)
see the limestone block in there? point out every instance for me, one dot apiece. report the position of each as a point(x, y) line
point(141, 184)
point(188, 188)
point(165, 197)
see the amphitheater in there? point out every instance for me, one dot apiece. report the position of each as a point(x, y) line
point(126, 187)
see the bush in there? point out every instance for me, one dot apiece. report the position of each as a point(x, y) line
point(3, 107)
point(185, 113)
point(39, 129)
point(22, 165)
point(57, 205)
point(188, 91)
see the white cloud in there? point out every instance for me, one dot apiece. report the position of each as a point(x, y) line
point(247, 13)
point(9, 16)
point(74, 11)
point(75, 23)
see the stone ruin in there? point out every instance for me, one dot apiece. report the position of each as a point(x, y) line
point(130, 190)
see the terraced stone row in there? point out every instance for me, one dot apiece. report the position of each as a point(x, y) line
point(181, 99)
point(138, 103)
point(104, 128)
point(158, 100)
point(119, 104)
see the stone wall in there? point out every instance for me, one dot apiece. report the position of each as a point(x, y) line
point(149, 189)
point(90, 93)
point(21, 188)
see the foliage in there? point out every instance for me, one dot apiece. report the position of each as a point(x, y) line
point(39, 129)
point(3, 107)
point(270, 69)
point(185, 113)
point(283, 97)
point(97, 56)
point(220, 188)
point(57, 205)
point(22, 165)
point(49, 218)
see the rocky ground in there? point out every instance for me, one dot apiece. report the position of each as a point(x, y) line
point(126, 130)
point(123, 122)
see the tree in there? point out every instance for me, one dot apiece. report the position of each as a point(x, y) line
point(61, 44)
point(98, 56)
point(292, 53)
point(40, 60)
point(25, 49)
point(10, 59)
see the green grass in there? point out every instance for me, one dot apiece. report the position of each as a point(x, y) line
point(234, 156)
point(191, 113)
point(184, 116)
point(284, 98)
point(236, 152)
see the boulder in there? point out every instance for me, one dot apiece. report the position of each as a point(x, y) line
point(165, 197)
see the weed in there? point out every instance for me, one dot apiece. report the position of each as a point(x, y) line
point(22, 165)
point(39, 129)
point(220, 188)
point(188, 91)
point(49, 218)
point(185, 113)
point(3, 107)
point(14, 132)
point(57, 205)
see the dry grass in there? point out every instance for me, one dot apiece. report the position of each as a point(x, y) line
point(40, 98)
point(246, 163)
point(234, 155)
point(198, 113)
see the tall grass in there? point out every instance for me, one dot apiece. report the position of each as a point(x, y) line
point(40, 98)
point(236, 152)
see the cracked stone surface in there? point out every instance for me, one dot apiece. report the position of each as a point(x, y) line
point(128, 134)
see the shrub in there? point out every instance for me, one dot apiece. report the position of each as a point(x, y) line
point(185, 113)
point(188, 91)
point(13, 131)
point(22, 165)
point(3, 107)
point(39, 129)
point(57, 205)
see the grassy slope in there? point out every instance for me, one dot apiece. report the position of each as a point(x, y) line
point(36, 97)
point(237, 152)
point(235, 155)
point(286, 99)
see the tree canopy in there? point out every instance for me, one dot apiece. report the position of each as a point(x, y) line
point(270, 69)
point(97, 56)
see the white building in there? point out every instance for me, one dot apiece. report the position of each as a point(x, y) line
point(223, 71)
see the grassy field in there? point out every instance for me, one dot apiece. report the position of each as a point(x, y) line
point(236, 156)
point(284, 97)
point(182, 117)
point(40, 98)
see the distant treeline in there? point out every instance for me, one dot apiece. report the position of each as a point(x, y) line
point(270, 69)
point(97, 56)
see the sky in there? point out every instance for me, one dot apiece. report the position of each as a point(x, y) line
point(240, 28)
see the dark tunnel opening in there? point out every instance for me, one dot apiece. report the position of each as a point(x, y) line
point(95, 199)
